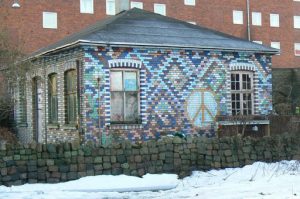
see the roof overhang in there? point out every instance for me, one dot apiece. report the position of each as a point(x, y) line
point(169, 46)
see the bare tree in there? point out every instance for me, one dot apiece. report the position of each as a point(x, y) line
point(12, 72)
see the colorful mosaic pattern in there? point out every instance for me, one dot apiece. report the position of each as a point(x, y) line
point(180, 90)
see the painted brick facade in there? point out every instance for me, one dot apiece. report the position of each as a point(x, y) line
point(180, 91)
point(171, 82)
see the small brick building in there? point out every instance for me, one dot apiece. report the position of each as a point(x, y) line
point(138, 76)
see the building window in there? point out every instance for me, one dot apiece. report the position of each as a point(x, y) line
point(238, 17)
point(52, 99)
point(275, 45)
point(274, 20)
point(160, 8)
point(87, 6)
point(256, 18)
point(134, 4)
point(296, 21)
point(71, 96)
point(190, 2)
point(124, 96)
point(258, 42)
point(241, 93)
point(22, 102)
point(297, 49)
point(110, 7)
point(50, 20)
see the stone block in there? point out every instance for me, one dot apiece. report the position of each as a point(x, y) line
point(125, 166)
point(81, 174)
point(113, 159)
point(50, 162)
point(55, 175)
point(106, 158)
point(81, 167)
point(67, 154)
point(106, 165)
point(23, 176)
point(228, 153)
point(32, 181)
point(80, 159)
point(22, 169)
point(138, 158)
point(98, 160)
point(64, 168)
point(41, 162)
point(52, 168)
point(32, 175)
point(88, 160)
point(121, 158)
point(3, 171)
point(53, 180)
point(98, 167)
point(72, 175)
point(17, 157)
point(91, 173)
point(73, 168)
point(51, 148)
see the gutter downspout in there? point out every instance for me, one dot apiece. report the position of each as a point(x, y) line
point(248, 20)
point(45, 101)
point(99, 106)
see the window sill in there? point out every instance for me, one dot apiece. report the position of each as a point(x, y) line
point(125, 126)
point(69, 127)
point(247, 122)
point(53, 126)
point(20, 125)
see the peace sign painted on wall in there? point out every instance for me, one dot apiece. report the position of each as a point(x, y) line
point(201, 108)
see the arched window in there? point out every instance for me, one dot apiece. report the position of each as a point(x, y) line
point(71, 96)
point(52, 98)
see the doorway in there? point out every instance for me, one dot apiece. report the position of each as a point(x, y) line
point(37, 108)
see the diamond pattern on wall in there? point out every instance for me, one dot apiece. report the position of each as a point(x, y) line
point(177, 78)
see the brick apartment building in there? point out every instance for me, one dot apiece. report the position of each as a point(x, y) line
point(37, 23)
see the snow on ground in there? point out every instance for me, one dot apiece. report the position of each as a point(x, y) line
point(260, 180)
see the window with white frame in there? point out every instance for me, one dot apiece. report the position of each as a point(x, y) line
point(242, 92)
point(160, 8)
point(274, 20)
point(256, 18)
point(87, 6)
point(190, 2)
point(110, 7)
point(50, 20)
point(124, 90)
point(258, 42)
point(296, 21)
point(275, 44)
point(238, 17)
point(297, 49)
point(134, 4)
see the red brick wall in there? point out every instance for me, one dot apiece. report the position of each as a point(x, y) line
point(25, 23)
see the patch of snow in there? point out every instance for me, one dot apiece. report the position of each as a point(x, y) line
point(260, 180)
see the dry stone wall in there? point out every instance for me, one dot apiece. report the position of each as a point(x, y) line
point(51, 163)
